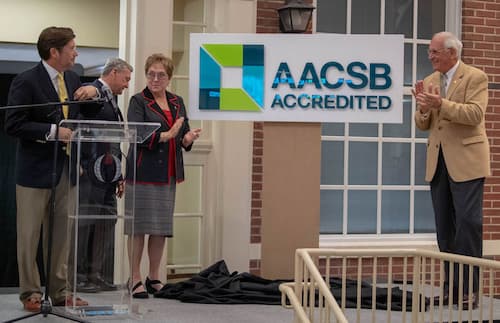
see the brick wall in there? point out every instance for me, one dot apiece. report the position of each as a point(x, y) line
point(481, 39)
point(267, 22)
point(267, 16)
point(256, 219)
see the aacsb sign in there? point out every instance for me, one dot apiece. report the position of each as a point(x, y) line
point(306, 77)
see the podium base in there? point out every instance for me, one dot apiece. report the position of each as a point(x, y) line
point(46, 310)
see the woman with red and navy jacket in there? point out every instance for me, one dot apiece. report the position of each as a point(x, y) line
point(159, 167)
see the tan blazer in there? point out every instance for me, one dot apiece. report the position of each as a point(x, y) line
point(458, 126)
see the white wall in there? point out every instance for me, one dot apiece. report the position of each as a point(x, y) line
point(95, 22)
point(231, 161)
point(145, 28)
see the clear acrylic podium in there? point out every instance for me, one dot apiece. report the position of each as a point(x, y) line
point(98, 266)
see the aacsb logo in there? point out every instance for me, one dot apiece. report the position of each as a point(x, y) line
point(215, 57)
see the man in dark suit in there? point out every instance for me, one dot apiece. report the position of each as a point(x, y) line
point(451, 105)
point(98, 191)
point(49, 81)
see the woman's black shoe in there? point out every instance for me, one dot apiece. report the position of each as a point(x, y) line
point(142, 294)
point(150, 283)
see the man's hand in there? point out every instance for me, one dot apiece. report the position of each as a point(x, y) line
point(419, 88)
point(64, 134)
point(430, 99)
point(120, 188)
point(416, 91)
point(86, 92)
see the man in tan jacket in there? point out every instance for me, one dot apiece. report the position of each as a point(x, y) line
point(451, 104)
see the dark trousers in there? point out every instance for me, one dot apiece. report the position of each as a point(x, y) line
point(458, 208)
point(94, 247)
point(96, 236)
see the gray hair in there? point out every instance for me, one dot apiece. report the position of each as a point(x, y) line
point(451, 41)
point(116, 63)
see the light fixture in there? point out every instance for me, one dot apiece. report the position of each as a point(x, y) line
point(295, 16)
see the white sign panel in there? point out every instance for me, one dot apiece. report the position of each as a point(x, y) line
point(306, 77)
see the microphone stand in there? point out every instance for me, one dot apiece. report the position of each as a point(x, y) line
point(46, 306)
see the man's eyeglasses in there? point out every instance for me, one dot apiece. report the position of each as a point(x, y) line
point(434, 52)
point(160, 76)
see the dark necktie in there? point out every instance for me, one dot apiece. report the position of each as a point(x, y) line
point(112, 100)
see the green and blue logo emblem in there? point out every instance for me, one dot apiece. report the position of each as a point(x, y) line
point(215, 57)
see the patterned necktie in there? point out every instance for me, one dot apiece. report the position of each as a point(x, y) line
point(63, 94)
point(444, 83)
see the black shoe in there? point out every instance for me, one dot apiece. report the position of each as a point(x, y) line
point(446, 299)
point(98, 280)
point(465, 302)
point(87, 287)
point(142, 294)
point(150, 283)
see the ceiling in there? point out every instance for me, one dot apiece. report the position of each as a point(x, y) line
point(14, 58)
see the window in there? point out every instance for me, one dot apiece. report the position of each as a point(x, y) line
point(189, 17)
point(372, 175)
point(185, 249)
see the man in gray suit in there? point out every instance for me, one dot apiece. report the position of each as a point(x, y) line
point(98, 192)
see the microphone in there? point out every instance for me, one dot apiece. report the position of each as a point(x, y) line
point(111, 99)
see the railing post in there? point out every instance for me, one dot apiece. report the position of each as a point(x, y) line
point(299, 268)
point(415, 299)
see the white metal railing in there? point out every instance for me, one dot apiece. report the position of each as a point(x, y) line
point(417, 275)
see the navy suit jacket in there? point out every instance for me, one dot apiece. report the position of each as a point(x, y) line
point(108, 112)
point(92, 150)
point(31, 125)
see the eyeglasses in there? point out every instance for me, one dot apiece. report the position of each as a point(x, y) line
point(160, 76)
point(434, 52)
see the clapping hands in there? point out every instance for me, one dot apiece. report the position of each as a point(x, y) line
point(426, 100)
point(172, 133)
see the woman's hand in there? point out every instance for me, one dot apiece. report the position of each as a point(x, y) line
point(172, 133)
point(191, 136)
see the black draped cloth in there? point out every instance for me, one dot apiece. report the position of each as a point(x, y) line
point(216, 285)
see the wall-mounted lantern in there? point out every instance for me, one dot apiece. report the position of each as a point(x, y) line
point(295, 16)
